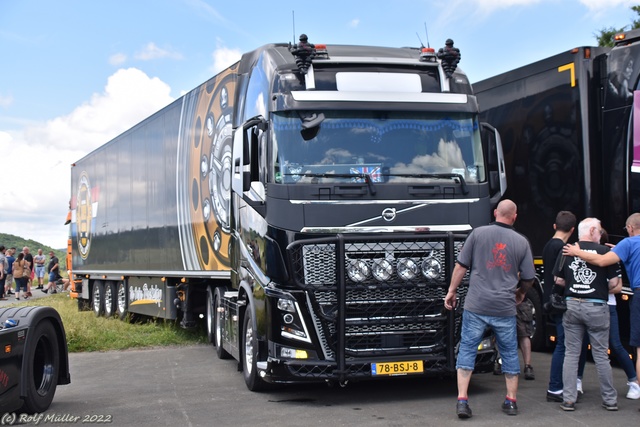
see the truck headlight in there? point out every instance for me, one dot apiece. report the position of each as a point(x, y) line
point(286, 305)
point(407, 269)
point(358, 271)
point(431, 268)
point(382, 270)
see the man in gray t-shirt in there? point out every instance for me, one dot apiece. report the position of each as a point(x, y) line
point(499, 258)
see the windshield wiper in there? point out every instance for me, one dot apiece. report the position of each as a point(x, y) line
point(366, 177)
point(454, 176)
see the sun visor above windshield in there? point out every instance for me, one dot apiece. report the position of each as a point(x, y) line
point(378, 82)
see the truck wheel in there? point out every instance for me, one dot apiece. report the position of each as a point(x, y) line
point(538, 339)
point(42, 361)
point(250, 355)
point(121, 301)
point(210, 317)
point(110, 299)
point(219, 326)
point(97, 298)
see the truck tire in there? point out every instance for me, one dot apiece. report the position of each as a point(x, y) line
point(42, 368)
point(210, 317)
point(249, 355)
point(110, 299)
point(97, 298)
point(218, 327)
point(122, 301)
point(538, 339)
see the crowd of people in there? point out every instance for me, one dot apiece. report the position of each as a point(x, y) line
point(585, 275)
point(24, 269)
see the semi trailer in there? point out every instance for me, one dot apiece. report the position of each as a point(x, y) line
point(307, 203)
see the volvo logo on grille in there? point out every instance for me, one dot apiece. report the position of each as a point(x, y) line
point(389, 214)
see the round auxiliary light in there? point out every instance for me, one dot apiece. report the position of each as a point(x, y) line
point(358, 271)
point(431, 268)
point(382, 270)
point(407, 269)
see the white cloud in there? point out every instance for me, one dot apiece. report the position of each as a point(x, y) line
point(36, 162)
point(6, 101)
point(151, 51)
point(5, 138)
point(117, 59)
point(354, 23)
point(224, 57)
point(602, 5)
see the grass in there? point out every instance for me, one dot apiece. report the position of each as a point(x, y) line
point(86, 332)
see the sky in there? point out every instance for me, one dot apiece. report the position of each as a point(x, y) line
point(76, 73)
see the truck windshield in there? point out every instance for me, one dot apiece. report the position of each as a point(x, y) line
point(390, 147)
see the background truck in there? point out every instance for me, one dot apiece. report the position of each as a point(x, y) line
point(308, 202)
point(568, 125)
point(33, 362)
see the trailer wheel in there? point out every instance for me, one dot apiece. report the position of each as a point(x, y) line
point(538, 338)
point(219, 325)
point(42, 368)
point(110, 299)
point(121, 301)
point(250, 355)
point(97, 299)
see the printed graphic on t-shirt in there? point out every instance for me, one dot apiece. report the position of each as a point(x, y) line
point(499, 257)
point(581, 272)
point(583, 277)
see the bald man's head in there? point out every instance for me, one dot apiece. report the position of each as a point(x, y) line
point(506, 212)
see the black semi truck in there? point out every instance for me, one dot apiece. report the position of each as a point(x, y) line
point(568, 125)
point(308, 203)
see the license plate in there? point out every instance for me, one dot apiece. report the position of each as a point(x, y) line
point(397, 368)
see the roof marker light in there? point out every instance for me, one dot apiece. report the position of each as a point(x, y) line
point(428, 54)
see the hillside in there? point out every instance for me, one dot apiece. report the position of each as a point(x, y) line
point(12, 241)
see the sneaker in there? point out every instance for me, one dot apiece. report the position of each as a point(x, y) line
point(45, 290)
point(554, 396)
point(634, 390)
point(39, 287)
point(17, 298)
point(568, 406)
point(528, 373)
point(54, 291)
point(462, 409)
point(610, 406)
point(29, 294)
point(579, 386)
point(510, 407)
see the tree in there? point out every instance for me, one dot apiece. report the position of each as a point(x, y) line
point(605, 38)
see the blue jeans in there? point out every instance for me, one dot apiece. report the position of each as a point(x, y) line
point(504, 328)
point(21, 284)
point(634, 312)
point(557, 359)
point(593, 318)
point(617, 349)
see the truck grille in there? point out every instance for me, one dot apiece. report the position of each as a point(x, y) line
point(390, 307)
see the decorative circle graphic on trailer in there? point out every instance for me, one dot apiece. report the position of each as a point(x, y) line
point(204, 168)
point(84, 215)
